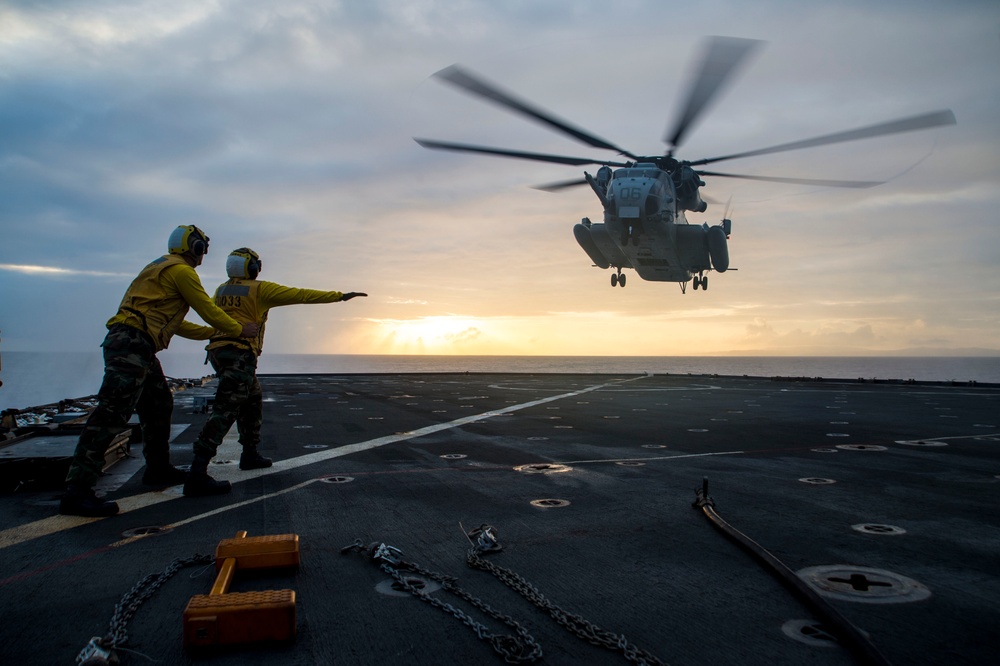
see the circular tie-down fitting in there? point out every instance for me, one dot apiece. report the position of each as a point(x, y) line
point(848, 582)
point(543, 468)
point(630, 463)
point(809, 632)
point(150, 530)
point(654, 446)
point(453, 456)
point(337, 479)
point(391, 587)
point(817, 481)
point(549, 503)
point(878, 528)
point(862, 447)
point(315, 446)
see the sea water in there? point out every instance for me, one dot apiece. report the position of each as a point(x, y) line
point(32, 378)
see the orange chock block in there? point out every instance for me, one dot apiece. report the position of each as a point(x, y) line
point(239, 617)
point(278, 551)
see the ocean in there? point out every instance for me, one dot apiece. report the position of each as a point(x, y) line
point(31, 379)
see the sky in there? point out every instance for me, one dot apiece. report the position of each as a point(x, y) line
point(288, 127)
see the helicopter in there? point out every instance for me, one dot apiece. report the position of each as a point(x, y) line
point(645, 197)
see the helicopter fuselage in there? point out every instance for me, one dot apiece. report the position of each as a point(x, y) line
point(645, 227)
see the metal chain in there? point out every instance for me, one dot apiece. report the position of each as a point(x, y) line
point(515, 649)
point(128, 605)
point(486, 542)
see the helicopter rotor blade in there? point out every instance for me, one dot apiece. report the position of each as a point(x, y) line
point(503, 152)
point(560, 185)
point(465, 80)
point(911, 124)
point(857, 184)
point(721, 57)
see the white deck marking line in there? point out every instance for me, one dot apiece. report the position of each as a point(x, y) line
point(46, 526)
point(682, 455)
point(941, 439)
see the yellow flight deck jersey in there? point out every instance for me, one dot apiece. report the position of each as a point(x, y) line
point(159, 298)
point(249, 300)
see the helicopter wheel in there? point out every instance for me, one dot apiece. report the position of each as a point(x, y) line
point(621, 279)
point(704, 283)
point(696, 282)
point(614, 280)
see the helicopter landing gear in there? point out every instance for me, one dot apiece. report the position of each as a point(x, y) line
point(618, 279)
point(700, 281)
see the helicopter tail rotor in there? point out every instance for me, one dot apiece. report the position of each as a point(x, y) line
point(727, 220)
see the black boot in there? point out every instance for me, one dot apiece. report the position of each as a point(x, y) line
point(81, 501)
point(251, 459)
point(200, 484)
point(163, 475)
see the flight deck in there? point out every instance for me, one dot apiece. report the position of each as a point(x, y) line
point(881, 497)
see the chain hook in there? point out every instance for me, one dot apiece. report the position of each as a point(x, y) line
point(486, 540)
point(386, 554)
point(96, 654)
point(357, 546)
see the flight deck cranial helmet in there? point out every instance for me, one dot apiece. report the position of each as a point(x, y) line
point(243, 263)
point(188, 238)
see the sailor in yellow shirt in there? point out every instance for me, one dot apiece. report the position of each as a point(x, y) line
point(151, 313)
point(238, 397)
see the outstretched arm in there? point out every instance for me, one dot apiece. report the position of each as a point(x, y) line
point(274, 295)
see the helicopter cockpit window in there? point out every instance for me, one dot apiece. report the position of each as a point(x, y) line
point(637, 173)
point(652, 204)
point(653, 199)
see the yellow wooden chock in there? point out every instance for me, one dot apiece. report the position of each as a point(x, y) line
point(233, 618)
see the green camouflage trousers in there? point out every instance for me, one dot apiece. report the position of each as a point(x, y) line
point(238, 399)
point(133, 382)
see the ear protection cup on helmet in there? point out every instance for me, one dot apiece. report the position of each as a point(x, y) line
point(198, 246)
point(188, 238)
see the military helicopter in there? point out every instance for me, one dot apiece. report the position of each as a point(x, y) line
point(645, 197)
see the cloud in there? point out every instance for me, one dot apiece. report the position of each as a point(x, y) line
point(59, 272)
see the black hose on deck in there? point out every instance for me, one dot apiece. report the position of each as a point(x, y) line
point(850, 636)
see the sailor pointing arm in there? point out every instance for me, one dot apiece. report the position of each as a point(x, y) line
point(238, 398)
